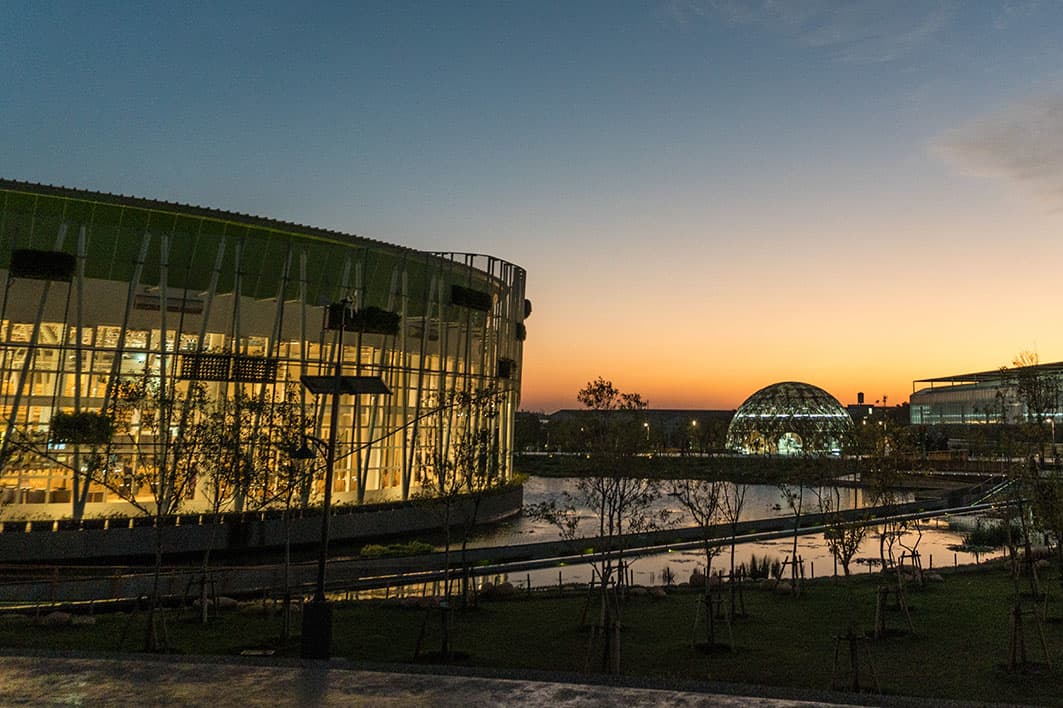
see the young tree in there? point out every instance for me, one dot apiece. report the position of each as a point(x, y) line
point(732, 502)
point(844, 537)
point(613, 500)
point(466, 465)
point(289, 478)
point(1036, 389)
point(166, 436)
point(702, 500)
point(246, 463)
point(882, 449)
point(793, 494)
point(88, 434)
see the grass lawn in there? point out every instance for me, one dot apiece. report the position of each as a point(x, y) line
point(959, 648)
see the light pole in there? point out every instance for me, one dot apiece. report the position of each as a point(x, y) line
point(316, 642)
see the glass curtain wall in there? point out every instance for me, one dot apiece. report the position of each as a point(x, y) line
point(152, 353)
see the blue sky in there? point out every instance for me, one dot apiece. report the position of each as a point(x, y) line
point(708, 196)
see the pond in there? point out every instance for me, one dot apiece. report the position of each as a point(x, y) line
point(761, 501)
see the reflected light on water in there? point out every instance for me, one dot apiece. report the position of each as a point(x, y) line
point(761, 501)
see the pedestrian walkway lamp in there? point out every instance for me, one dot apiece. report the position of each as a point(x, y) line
point(317, 615)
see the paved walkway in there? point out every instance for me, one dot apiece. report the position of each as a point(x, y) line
point(202, 681)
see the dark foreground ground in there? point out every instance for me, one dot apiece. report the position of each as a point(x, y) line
point(197, 681)
point(957, 647)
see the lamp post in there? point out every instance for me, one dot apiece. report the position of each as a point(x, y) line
point(316, 640)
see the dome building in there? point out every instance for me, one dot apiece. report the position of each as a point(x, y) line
point(789, 418)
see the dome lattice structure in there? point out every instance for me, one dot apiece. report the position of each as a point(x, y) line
point(789, 418)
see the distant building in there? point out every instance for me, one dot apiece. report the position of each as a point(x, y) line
point(860, 411)
point(983, 396)
point(665, 429)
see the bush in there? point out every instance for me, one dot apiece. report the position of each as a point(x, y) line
point(412, 548)
point(990, 535)
point(760, 568)
point(85, 427)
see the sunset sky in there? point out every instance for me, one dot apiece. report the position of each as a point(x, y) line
point(709, 197)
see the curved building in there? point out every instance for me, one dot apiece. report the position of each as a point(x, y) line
point(174, 357)
point(789, 418)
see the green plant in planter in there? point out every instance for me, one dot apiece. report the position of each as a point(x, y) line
point(369, 319)
point(42, 265)
point(473, 299)
point(86, 428)
point(377, 320)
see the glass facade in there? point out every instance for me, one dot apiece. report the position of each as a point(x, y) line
point(152, 352)
point(984, 402)
point(789, 418)
point(1022, 393)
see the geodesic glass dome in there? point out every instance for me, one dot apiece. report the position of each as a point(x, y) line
point(789, 418)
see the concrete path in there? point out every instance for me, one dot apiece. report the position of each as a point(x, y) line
point(213, 681)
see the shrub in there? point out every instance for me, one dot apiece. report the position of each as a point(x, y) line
point(990, 535)
point(411, 548)
point(85, 427)
point(760, 568)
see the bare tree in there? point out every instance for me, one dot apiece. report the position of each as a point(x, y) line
point(611, 499)
point(793, 494)
point(1036, 389)
point(465, 465)
point(162, 429)
point(702, 500)
point(732, 501)
point(843, 537)
point(246, 462)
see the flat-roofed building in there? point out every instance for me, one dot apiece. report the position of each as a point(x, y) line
point(991, 396)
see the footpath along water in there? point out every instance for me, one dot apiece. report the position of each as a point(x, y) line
point(932, 539)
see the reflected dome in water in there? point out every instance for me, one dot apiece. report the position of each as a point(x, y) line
point(789, 418)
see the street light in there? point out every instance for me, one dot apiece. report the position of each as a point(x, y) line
point(316, 642)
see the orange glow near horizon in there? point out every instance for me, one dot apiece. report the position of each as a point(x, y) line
point(707, 197)
point(692, 333)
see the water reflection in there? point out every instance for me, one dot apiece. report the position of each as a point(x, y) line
point(761, 501)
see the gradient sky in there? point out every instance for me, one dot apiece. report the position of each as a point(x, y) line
point(708, 196)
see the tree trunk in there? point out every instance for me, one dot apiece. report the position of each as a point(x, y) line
point(732, 588)
point(467, 531)
point(154, 640)
point(286, 629)
point(710, 620)
point(444, 649)
point(204, 599)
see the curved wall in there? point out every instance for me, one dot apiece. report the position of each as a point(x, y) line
point(187, 331)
